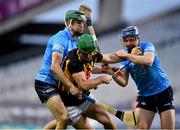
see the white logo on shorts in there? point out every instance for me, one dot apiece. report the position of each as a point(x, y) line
point(143, 103)
point(49, 90)
point(167, 104)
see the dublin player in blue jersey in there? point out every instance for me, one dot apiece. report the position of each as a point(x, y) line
point(46, 81)
point(154, 90)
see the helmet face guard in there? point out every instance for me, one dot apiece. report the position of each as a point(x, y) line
point(131, 31)
point(86, 57)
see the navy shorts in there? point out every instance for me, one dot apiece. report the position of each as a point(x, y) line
point(45, 90)
point(159, 102)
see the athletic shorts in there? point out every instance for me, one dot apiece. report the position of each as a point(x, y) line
point(159, 102)
point(45, 90)
point(75, 112)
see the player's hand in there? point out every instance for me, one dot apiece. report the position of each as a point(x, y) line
point(106, 79)
point(121, 53)
point(76, 92)
point(115, 68)
point(106, 69)
point(137, 51)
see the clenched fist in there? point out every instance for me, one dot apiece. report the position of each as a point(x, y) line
point(76, 92)
point(106, 79)
point(137, 51)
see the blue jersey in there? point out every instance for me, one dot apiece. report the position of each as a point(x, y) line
point(149, 80)
point(62, 42)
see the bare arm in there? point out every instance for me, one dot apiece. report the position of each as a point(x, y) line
point(87, 84)
point(111, 58)
point(58, 72)
point(121, 78)
point(97, 70)
point(146, 59)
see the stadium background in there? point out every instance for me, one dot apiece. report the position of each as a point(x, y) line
point(26, 26)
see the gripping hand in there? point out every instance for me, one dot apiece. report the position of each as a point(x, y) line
point(137, 51)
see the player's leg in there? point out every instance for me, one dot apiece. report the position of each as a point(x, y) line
point(76, 116)
point(83, 123)
point(146, 109)
point(168, 119)
point(50, 125)
point(166, 108)
point(49, 95)
point(57, 108)
point(101, 116)
point(145, 118)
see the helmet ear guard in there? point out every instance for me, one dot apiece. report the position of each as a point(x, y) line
point(130, 31)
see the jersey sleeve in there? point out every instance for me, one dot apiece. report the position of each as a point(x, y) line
point(149, 47)
point(74, 67)
point(59, 45)
point(122, 64)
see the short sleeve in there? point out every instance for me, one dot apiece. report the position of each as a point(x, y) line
point(149, 47)
point(124, 65)
point(59, 45)
point(74, 67)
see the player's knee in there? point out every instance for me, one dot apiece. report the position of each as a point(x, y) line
point(107, 121)
point(109, 124)
point(143, 126)
point(63, 117)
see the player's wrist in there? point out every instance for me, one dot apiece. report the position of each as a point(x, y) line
point(71, 90)
point(88, 22)
point(111, 72)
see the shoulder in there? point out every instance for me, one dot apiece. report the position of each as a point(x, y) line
point(72, 56)
point(147, 46)
point(72, 63)
point(59, 36)
point(72, 53)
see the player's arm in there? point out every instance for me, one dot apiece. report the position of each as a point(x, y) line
point(121, 77)
point(146, 59)
point(97, 70)
point(58, 72)
point(102, 69)
point(111, 58)
point(87, 84)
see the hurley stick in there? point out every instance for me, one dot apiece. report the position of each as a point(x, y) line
point(88, 12)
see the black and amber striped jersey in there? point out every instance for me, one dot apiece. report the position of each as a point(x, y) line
point(72, 64)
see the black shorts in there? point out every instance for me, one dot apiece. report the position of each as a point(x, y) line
point(45, 90)
point(160, 102)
